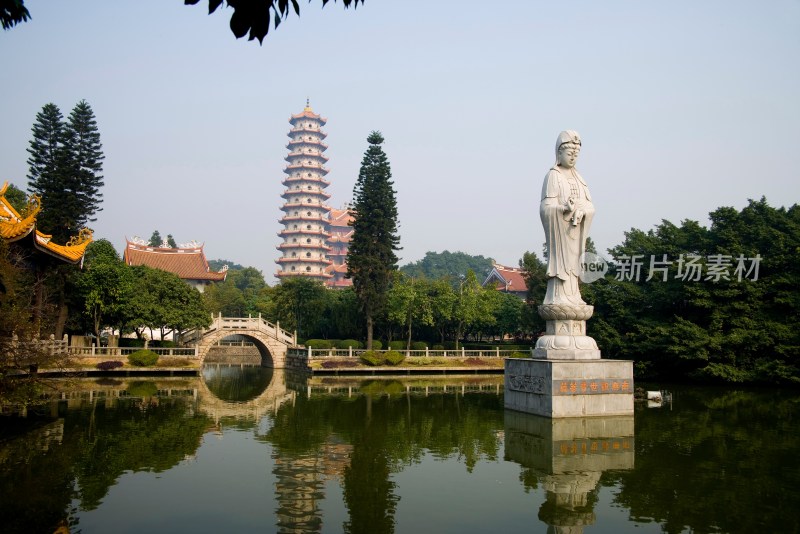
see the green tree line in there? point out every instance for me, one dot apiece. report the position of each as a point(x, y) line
point(732, 317)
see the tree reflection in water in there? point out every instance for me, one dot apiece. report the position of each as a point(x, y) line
point(717, 461)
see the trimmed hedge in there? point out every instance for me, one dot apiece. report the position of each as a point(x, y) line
point(319, 343)
point(393, 357)
point(337, 364)
point(109, 365)
point(131, 342)
point(372, 358)
point(376, 344)
point(418, 345)
point(347, 343)
point(390, 357)
point(143, 358)
point(398, 344)
point(492, 346)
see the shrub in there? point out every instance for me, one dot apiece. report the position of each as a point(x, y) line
point(372, 357)
point(393, 357)
point(397, 344)
point(143, 358)
point(449, 345)
point(175, 362)
point(142, 389)
point(418, 345)
point(518, 354)
point(438, 347)
point(376, 344)
point(164, 343)
point(336, 364)
point(319, 343)
point(347, 343)
point(109, 365)
point(131, 342)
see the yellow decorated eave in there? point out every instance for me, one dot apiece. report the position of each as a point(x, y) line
point(16, 227)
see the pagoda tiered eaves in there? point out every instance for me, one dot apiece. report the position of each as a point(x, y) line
point(289, 192)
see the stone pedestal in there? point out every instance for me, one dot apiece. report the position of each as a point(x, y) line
point(565, 336)
point(569, 388)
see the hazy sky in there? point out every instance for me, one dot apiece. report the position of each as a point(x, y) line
point(682, 106)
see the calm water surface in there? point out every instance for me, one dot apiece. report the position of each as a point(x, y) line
point(246, 449)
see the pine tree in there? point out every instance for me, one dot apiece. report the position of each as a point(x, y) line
point(155, 239)
point(371, 259)
point(49, 172)
point(65, 165)
point(83, 142)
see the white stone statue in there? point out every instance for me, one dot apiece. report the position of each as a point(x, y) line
point(566, 211)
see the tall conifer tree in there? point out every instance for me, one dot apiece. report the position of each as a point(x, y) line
point(65, 165)
point(49, 164)
point(83, 143)
point(371, 259)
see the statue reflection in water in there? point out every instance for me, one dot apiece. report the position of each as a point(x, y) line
point(568, 456)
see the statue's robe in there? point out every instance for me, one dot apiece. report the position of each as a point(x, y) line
point(565, 241)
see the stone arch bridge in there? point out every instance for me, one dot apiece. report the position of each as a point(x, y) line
point(270, 339)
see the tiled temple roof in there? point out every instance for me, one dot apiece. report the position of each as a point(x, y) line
point(187, 263)
point(511, 279)
point(17, 227)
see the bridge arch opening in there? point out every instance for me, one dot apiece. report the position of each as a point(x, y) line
point(238, 349)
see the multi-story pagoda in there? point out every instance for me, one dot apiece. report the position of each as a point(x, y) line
point(305, 226)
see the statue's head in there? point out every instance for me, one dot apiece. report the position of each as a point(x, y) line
point(568, 146)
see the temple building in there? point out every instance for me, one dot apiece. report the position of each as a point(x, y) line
point(20, 231)
point(507, 279)
point(188, 261)
point(339, 242)
point(304, 250)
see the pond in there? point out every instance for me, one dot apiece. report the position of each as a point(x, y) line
point(246, 449)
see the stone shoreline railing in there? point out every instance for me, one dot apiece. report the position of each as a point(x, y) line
point(48, 346)
point(313, 354)
point(95, 352)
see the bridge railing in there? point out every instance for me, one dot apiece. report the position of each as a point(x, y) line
point(232, 324)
